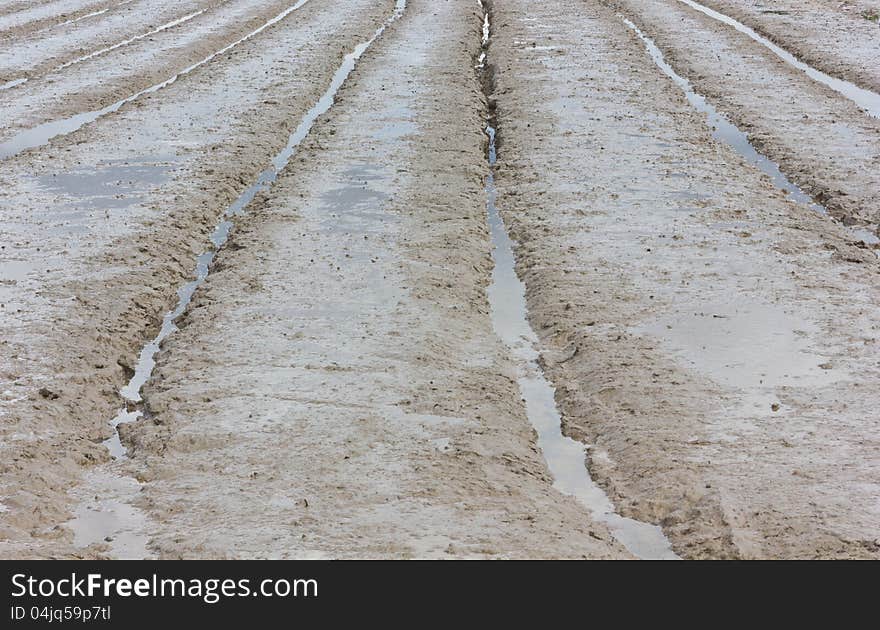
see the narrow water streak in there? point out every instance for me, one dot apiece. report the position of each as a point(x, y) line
point(79, 19)
point(722, 128)
point(146, 361)
point(11, 84)
point(565, 457)
point(42, 134)
point(725, 131)
point(866, 99)
point(113, 518)
point(131, 40)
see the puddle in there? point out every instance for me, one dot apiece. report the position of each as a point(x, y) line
point(352, 211)
point(18, 273)
point(16, 277)
point(356, 207)
point(566, 458)
point(107, 517)
point(755, 348)
point(117, 515)
point(41, 134)
point(17, 270)
point(867, 236)
point(112, 184)
point(725, 131)
point(866, 99)
point(396, 131)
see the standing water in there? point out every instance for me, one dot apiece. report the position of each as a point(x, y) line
point(114, 518)
point(866, 99)
point(42, 134)
point(725, 131)
point(146, 361)
point(565, 457)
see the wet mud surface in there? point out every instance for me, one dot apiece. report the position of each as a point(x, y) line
point(841, 38)
point(88, 283)
point(691, 312)
point(268, 288)
point(409, 439)
point(823, 142)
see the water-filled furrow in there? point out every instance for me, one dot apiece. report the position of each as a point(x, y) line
point(86, 16)
point(81, 18)
point(565, 457)
point(146, 360)
point(114, 518)
point(866, 99)
point(103, 51)
point(728, 133)
point(13, 83)
point(41, 134)
point(131, 40)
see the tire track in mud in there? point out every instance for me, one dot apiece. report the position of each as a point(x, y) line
point(42, 134)
point(114, 513)
point(867, 100)
point(564, 456)
point(725, 131)
point(101, 51)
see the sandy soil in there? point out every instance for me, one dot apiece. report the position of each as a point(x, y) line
point(336, 388)
point(408, 439)
point(137, 66)
point(821, 140)
point(119, 225)
point(834, 36)
point(692, 315)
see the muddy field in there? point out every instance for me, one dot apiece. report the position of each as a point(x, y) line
point(411, 279)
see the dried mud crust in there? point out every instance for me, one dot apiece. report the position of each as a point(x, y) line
point(832, 36)
point(667, 279)
point(340, 369)
point(72, 329)
point(821, 140)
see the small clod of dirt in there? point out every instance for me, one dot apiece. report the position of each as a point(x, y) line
point(48, 394)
